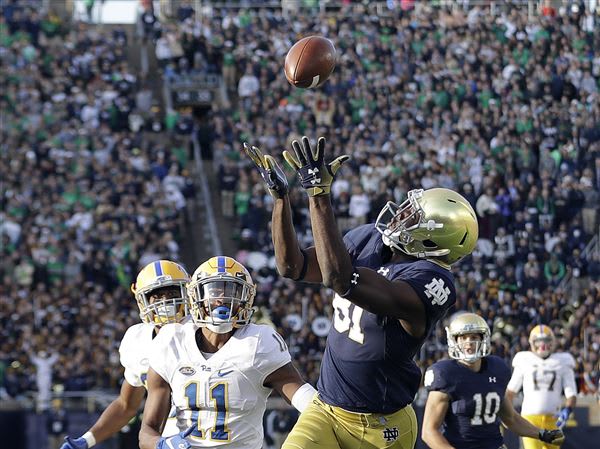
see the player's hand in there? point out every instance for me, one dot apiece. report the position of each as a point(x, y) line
point(315, 176)
point(555, 436)
point(270, 171)
point(77, 443)
point(176, 441)
point(563, 416)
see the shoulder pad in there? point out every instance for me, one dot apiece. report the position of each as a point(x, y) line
point(520, 358)
point(269, 339)
point(135, 336)
point(565, 358)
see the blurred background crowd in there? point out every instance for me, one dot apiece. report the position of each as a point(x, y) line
point(504, 109)
point(500, 105)
point(94, 185)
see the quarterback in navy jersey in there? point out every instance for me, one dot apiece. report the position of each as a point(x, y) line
point(466, 401)
point(392, 284)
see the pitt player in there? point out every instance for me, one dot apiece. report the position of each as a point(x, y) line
point(220, 368)
point(160, 292)
point(467, 394)
point(544, 376)
point(392, 284)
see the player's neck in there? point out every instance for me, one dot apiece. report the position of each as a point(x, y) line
point(395, 255)
point(209, 341)
point(475, 366)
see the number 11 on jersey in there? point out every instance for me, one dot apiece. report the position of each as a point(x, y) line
point(218, 395)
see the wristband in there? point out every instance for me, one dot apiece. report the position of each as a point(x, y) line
point(303, 396)
point(89, 439)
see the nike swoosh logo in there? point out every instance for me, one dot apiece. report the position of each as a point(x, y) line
point(224, 373)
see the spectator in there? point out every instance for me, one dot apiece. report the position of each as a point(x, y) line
point(248, 87)
point(43, 363)
point(554, 270)
point(501, 111)
point(511, 104)
point(80, 206)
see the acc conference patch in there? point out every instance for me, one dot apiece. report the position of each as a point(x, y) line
point(187, 370)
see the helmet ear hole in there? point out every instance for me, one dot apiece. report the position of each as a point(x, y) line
point(429, 244)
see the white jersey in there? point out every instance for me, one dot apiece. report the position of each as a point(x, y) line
point(134, 352)
point(543, 381)
point(224, 393)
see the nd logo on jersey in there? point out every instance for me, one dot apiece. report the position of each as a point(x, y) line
point(437, 291)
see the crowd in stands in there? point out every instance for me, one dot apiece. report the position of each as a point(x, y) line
point(94, 185)
point(504, 109)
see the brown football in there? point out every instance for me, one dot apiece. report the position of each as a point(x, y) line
point(309, 62)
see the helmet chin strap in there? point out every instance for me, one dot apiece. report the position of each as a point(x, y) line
point(420, 255)
point(470, 358)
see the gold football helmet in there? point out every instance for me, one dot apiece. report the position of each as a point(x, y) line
point(468, 323)
point(221, 294)
point(542, 340)
point(160, 292)
point(435, 224)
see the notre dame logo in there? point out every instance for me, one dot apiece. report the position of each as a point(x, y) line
point(437, 292)
point(390, 435)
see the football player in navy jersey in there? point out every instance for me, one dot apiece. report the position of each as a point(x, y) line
point(392, 284)
point(466, 399)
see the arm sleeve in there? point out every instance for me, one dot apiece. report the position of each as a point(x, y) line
point(568, 380)
point(516, 381)
point(132, 378)
point(271, 354)
point(127, 351)
point(164, 350)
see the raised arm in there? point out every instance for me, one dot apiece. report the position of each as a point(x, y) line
point(362, 286)
point(292, 262)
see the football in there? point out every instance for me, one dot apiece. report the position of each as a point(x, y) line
point(309, 62)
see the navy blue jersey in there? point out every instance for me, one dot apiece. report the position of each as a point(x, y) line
point(368, 363)
point(471, 421)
